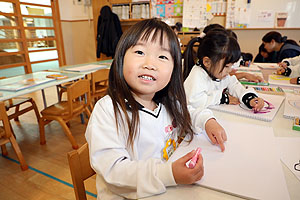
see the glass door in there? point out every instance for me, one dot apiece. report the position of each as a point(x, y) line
point(30, 37)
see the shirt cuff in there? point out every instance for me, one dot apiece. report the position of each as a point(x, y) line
point(287, 72)
point(224, 99)
point(165, 174)
point(247, 98)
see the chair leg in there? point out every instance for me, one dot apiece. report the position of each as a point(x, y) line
point(68, 133)
point(37, 114)
point(88, 112)
point(17, 150)
point(4, 150)
point(16, 111)
point(42, 131)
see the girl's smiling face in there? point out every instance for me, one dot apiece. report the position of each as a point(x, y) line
point(148, 67)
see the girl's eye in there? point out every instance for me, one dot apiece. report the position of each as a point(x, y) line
point(164, 57)
point(139, 52)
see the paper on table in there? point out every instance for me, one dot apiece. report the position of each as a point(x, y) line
point(291, 106)
point(86, 68)
point(290, 153)
point(250, 166)
point(267, 65)
point(241, 109)
point(281, 81)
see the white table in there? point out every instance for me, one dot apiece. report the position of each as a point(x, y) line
point(10, 94)
point(282, 128)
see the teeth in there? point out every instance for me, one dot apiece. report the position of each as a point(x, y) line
point(147, 78)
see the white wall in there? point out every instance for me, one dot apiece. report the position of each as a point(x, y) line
point(70, 11)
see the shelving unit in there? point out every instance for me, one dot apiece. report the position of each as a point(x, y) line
point(129, 10)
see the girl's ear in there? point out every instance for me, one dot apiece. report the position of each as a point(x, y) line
point(207, 62)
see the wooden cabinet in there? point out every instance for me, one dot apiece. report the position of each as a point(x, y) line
point(129, 10)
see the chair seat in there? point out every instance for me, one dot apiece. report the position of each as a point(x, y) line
point(61, 109)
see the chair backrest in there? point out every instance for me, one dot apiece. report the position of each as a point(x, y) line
point(80, 89)
point(99, 77)
point(81, 170)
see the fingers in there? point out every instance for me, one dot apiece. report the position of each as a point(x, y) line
point(187, 157)
point(212, 138)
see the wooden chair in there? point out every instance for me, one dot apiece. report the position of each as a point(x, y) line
point(99, 83)
point(6, 136)
point(16, 103)
point(81, 170)
point(64, 111)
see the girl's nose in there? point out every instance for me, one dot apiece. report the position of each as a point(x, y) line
point(149, 64)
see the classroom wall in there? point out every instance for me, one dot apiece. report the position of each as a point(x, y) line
point(78, 32)
point(79, 42)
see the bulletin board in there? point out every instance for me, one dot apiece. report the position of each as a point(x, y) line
point(263, 14)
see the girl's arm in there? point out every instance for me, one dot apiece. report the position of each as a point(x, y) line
point(197, 86)
point(236, 89)
point(292, 61)
point(125, 174)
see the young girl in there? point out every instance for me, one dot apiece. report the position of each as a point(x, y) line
point(137, 126)
point(273, 41)
point(206, 80)
point(290, 67)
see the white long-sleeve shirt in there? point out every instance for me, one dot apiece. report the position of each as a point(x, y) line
point(202, 92)
point(294, 65)
point(122, 172)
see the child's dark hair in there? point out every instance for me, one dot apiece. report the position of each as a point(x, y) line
point(211, 27)
point(216, 45)
point(172, 96)
point(276, 36)
point(262, 48)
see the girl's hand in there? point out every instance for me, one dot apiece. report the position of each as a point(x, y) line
point(282, 65)
point(280, 70)
point(233, 100)
point(293, 81)
point(182, 174)
point(253, 78)
point(257, 104)
point(216, 133)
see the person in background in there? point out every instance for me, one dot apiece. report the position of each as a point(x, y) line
point(177, 28)
point(264, 57)
point(273, 41)
point(136, 127)
point(206, 79)
point(290, 67)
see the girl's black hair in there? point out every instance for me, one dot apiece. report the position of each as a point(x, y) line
point(211, 27)
point(172, 96)
point(277, 37)
point(216, 45)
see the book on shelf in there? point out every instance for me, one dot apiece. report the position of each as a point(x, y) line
point(242, 110)
point(24, 84)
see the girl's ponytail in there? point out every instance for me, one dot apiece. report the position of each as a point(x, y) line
point(190, 56)
point(283, 39)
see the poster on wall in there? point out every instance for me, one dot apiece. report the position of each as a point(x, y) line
point(194, 13)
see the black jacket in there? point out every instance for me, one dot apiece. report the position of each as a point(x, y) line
point(109, 32)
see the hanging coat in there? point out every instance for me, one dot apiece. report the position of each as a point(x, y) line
point(109, 32)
